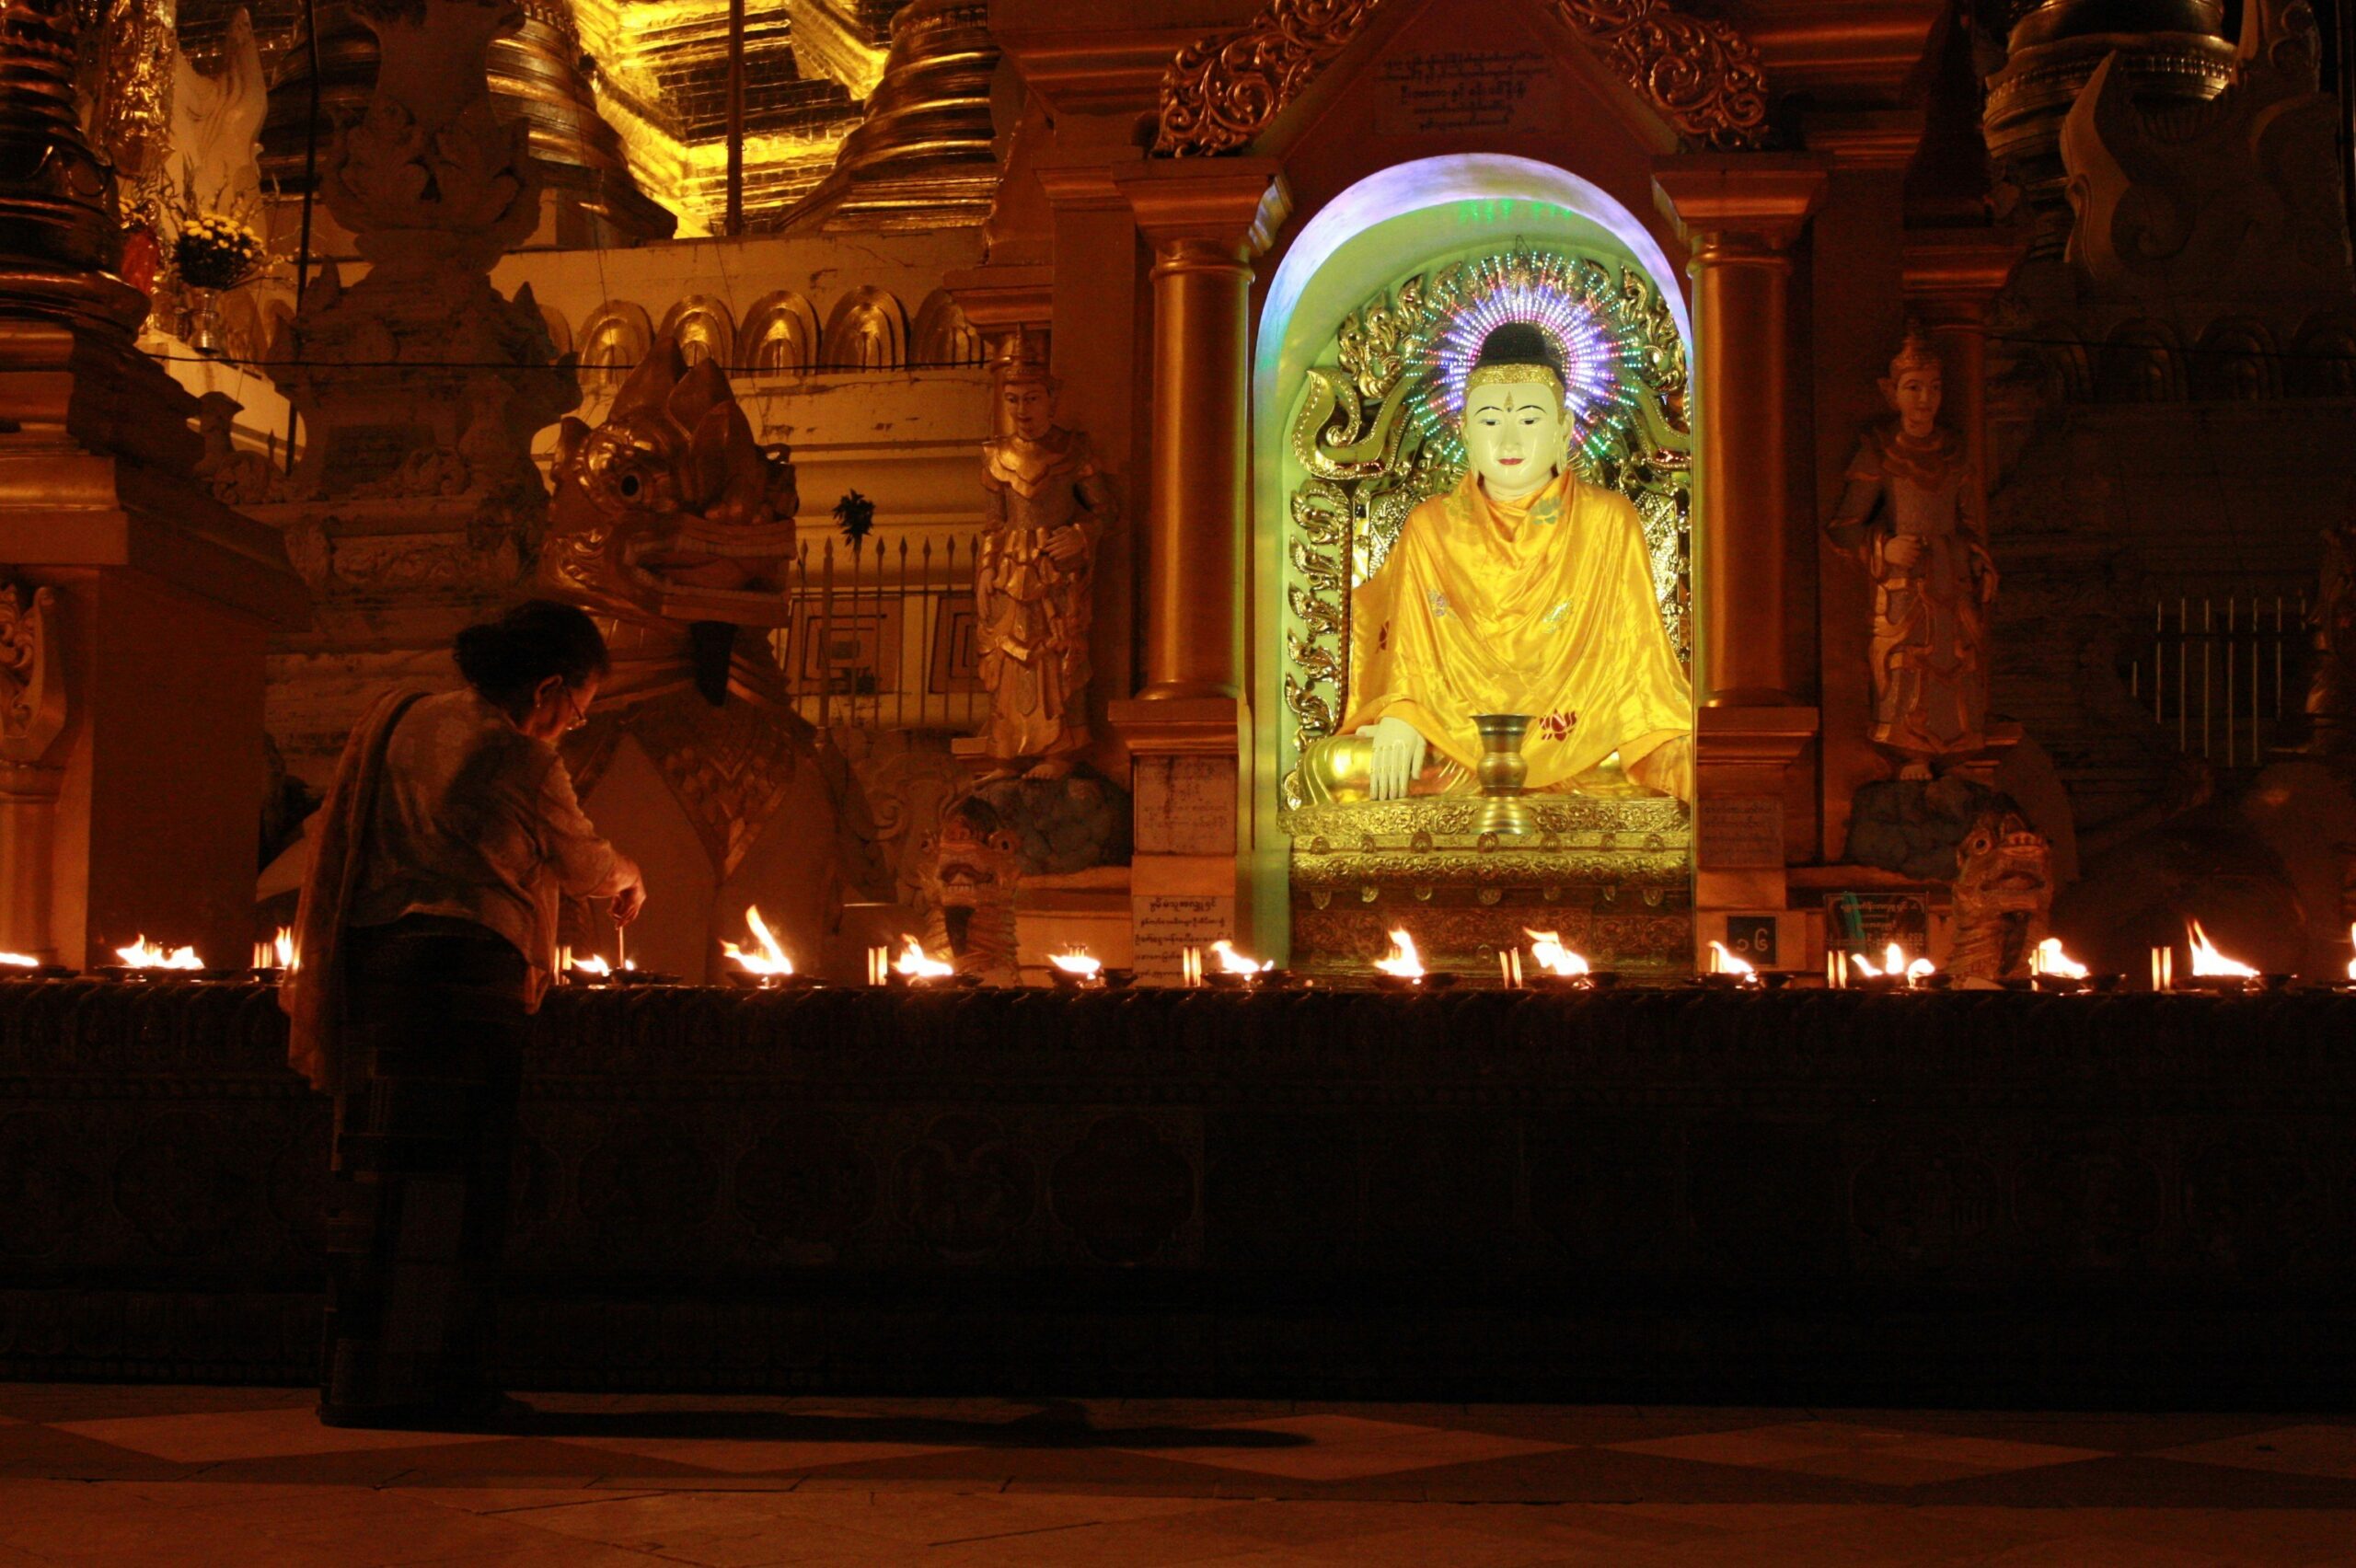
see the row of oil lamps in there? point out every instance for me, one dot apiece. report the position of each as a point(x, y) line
point(1552, 965)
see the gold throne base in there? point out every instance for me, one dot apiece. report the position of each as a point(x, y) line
point(1612, 876)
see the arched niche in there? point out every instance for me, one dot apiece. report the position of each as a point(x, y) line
point(943, 335)
point(2323, 359)
point(612, 341)
point(866, 330)
point(2141, 364)
point(706, 329)
point(560, 330)
point(1411, 220)
point(2236, 363)
point(780, 333)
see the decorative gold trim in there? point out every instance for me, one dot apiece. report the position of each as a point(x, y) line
point(1222, 90)
point(1512, 375)
point(1574, 840)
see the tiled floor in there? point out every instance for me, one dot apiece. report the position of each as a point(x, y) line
point(243, 1476)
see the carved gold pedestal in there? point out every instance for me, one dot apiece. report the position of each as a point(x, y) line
point(1611, 876)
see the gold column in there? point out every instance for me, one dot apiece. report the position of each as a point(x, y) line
point(1207, 221)
point(1188, 730)
point(1739, 218)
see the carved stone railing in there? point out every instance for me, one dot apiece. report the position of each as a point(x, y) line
point(1645, 1194)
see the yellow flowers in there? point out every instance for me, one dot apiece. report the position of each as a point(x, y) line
point(214, 250)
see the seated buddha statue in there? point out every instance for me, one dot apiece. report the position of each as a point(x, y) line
point(1523, 590)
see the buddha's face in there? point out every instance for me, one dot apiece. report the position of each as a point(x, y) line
point(1514, 435)
point(1030, 409)
point(1915, 392)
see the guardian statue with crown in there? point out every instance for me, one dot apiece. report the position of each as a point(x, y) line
point(1045, 508)
point(1911, 514)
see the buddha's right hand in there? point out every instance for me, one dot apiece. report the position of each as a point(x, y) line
point(1398, 757)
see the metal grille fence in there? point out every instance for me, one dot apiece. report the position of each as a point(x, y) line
point(881, 634)
point(2218, 673)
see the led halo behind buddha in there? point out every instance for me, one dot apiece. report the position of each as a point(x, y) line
point(1522, 590)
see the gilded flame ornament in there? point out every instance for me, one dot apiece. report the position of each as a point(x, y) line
point(1045, 509)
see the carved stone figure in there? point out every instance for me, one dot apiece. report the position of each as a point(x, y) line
point(969, 886)
point(241, 478)
point(1525, 590)
point(2331, 640)
point(32, 686)
point(671, 509)
point(2003, 891)
point(434, 188)
point(1044, 509)
point(1911, 514)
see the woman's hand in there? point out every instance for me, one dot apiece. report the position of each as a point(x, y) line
point(1398, 757)
point(629, 901)
point(1901, 550)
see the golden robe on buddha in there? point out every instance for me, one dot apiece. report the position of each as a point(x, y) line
point(1542, 606)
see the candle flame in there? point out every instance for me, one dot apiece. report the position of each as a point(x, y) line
point(1547, 948)
point(770, 959)
point(2352, 941)
point(2049, 959)
point(18, 961)
point(1725, 962)
point(1894, 965)
point(144, 954)
point(594, 964)
point(1404, 961)
point(1077, 962)
point(282, 945)
point(915, 965)
point(1233, 963)
point(2208, 960)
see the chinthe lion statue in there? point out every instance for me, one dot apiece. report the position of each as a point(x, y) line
point(2004, 890)
point(672, 499)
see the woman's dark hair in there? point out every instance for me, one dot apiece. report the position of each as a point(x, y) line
point(506, 660)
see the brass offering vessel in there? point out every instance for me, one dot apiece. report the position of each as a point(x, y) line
point(1501, 772)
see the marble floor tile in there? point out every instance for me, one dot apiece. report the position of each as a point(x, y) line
point(287, 1431)
point(125, 1475)
point(1344, 1448)
point(750, 1456)
point(2315, 1449)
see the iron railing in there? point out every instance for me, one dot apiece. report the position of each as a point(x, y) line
point(882, 635)
point(2219, 674)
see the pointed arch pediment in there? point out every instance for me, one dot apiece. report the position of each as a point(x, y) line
point(1700, 75)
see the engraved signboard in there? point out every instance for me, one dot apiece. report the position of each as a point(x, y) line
point(1185, 805)
point(1738, 832)
point(1462, 89)
point(1869, 922)
point(1167, 924)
